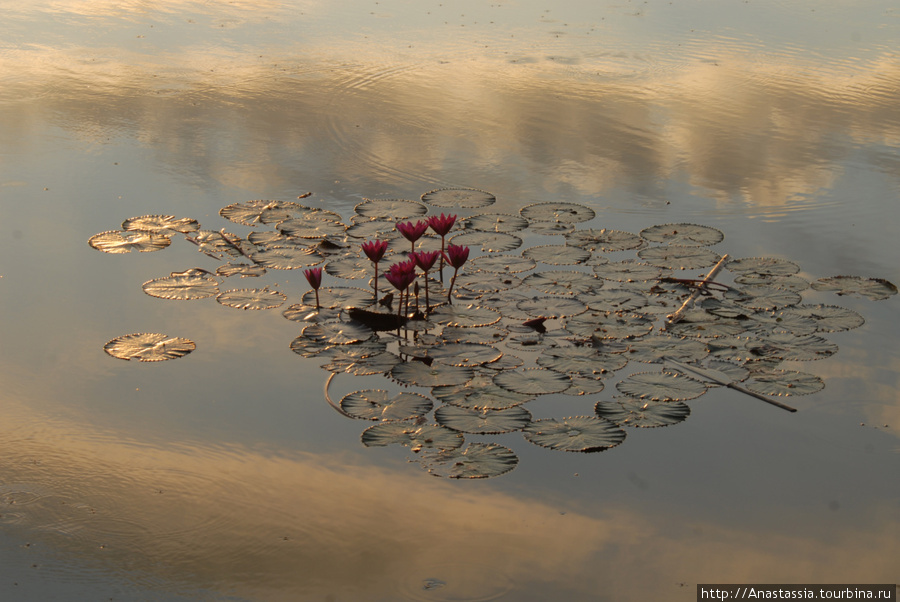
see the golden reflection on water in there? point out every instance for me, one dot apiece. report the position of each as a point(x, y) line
point(287, 527)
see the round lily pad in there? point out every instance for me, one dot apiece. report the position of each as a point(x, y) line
point(251, 298)
point(465, 316)
point(608, 325)
point(679, 258)
point(116, 241)
point(557, 254)
point(182, 287)
point(567, 213)
point(561, 282)
point(286, 258)
point(434, 375)
point(478, 394)
point(465, 354)
point(378, 404)
point(686, 235)
point(391, 209)
point(655, 349)
point(244, 270)
point(792, 347)
point(338, 333)
point(339, 297)
point(149, 347)
point(495, 222)
point(772, 381)
point(477, 461)
point(489, 242)
point(552, 307)
point(870, 288)
point(161, 224)
point(533, 381)
point(762, 297)
point(585, 361)
point(511, 264)
point(828, 318)
point(771, 266)
point(575, 434)
point(415, 437)
point(466, 198)
point(661, 386)
point(613, 299)
point(311, 227)
point(251, 213)
point(604, 240)
point(351, 363)
point(629, 271)
point(482, 421)
point(642, 413)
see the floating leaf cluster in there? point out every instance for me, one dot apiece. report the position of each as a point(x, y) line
point(481, 328)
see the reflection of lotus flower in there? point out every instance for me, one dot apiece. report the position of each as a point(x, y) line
point(314, 277)
point(425, 260)
point(375, 250)
point(456, 256)
point(412, 231)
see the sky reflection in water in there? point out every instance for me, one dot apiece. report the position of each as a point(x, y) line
point(777, 124)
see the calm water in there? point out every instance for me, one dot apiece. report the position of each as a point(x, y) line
point(225, 475)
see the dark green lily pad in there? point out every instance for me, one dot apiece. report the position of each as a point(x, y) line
point(828, 318)
point(557, 254)
point(791, 347)
point(784, 382)
point(149, 347)
point(575, 434)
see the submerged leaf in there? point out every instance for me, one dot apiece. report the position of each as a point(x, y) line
point(149, 347)
point(575, 434)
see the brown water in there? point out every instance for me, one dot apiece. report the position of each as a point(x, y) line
point(225, 475)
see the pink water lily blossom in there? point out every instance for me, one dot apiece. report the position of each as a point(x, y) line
point(412, 231)
point(375, 250)
point(314, 277)
point(456, 256)
point(402, 275)
point(442, 225)
point(425, 260)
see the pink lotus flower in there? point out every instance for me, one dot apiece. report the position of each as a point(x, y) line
point(314, 277)
point(425, 260)
point(456, 256)
point(441, 224)
point(375, 250)
point(412, 231)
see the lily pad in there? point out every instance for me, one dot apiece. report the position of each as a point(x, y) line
point(338, 333)
point(311, 227)
point(585, 361)
point(378, 404)
point(630, 271)
point(251, 213)
point(483, 421)
point(182, 286)
point(679, 258)
point(161, 224)
point(552, 307)
point(828, 318)
point(489, 242)
point(654, 349)
point(415, 437)
point(560, 282)
point(286, 258)
point(791, 347)
point(566, 213)
point(511, 264)
point(466, 198)
point(762, 297)
point(613, 300)
point(251, 298)
point(789, 282)
point(784, 382)
point(533, 381)
point(465, 354)
point(687, 235)
point(495, 222)
point(477, 461)
point(870, 288)
point(350, 363)
point(609, 325)
point(661, 386)
point(604, 240)
point(339, 297)
point(575, 434)
point(434, 375)
point(465, 316)
point(642, 413)
point(244, 270)
point(770, 266)
point(149, 347)
point(557, 254)
point(390, 209)
point(117, 241)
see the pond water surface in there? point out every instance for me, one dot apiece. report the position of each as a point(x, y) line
point(224, 475)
